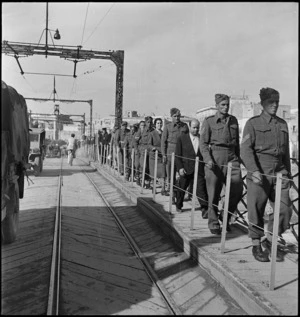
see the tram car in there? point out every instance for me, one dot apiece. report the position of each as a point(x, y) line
point(14, 158)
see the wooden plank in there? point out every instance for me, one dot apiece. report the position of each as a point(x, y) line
point(121, 258)
point(100, 290)
point(106, 266)
point(8, 273)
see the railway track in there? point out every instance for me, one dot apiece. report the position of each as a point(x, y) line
point(108, 258)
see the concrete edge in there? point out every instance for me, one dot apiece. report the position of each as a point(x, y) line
point(249, 299)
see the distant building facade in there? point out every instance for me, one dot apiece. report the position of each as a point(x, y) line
point(243, 109)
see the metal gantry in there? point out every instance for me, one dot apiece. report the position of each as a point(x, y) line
point(75, 54)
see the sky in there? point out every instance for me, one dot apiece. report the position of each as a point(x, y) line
point(176, 54)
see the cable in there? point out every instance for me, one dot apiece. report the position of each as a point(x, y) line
point(85, 22)
point(99, 22)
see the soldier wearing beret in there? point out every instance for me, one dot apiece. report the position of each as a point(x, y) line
point(128, 146)
point(141, 141)
point(171, 132)
point(137, 135)
point(119, 140)
point(265, 150)
point(219, 145)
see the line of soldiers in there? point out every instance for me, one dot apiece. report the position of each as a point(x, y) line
point(264, 151)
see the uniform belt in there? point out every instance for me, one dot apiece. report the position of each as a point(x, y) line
point(269, 158)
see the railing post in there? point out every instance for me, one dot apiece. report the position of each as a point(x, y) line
point(275, 229)
point(98, 155)
point(101, 153)
point(155, 174)
point(105, 152)
point(171, 181)
point(124, 160)
point(132, 165)
point(108, 160)
point(118, 160)
point(144, 169)
point(194, 191)
point(225, 215)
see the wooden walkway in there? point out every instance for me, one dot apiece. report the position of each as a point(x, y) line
point(245, 279)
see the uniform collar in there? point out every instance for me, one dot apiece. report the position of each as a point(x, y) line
point(218, 117)
point(268, 118)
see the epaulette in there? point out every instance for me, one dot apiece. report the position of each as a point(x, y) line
point(281, 120)
point(254, 117)
point(209, 117)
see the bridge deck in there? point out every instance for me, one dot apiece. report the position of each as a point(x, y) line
point(246, 279)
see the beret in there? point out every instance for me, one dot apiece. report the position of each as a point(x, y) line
point(269, 94)
point(148, 118)
point(221, 97)
point(174, 111)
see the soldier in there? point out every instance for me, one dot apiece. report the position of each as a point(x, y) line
point(137, 152)
point(219, 145)
point(119, 139)
point(141, 140)
point(170, 134)
point(104, 139)
point(113, 151)
point(128, 146)
point(265, 152)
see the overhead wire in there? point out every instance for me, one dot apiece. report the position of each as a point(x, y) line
point(99, 22)
point(87, 9)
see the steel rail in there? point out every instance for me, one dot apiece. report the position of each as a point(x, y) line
point(54, 284)
point(173, 307)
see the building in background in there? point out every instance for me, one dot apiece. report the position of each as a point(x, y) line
point(243, 109)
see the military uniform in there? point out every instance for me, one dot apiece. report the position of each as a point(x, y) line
point(219, 143)
point(265, 148)
point(119, 140)
point(141, 141)
point(169, 138)
point(128, 146)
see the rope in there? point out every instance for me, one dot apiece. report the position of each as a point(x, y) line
point(186, 158)
point(199, 198)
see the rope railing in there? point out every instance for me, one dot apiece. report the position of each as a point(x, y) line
point(106, 155)
point(240, 215)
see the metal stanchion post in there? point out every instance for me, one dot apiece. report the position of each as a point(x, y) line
point(118, 160)
point(107, 156)
point(171, 181)
point(144, 169)
point(194, 191)
point(104, 157)
point(155, 174)
point(124, 160)
point(101, 153)
point(275, 229)
point(132, 165)
point(98, 155)
point(225, 215)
